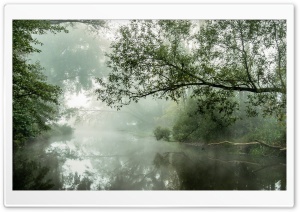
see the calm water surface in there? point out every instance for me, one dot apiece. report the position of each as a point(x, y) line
point(127, 161)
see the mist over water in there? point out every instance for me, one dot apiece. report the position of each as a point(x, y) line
point(120, 160)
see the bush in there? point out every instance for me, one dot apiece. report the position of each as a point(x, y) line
point(193, 126)
point(162, 133)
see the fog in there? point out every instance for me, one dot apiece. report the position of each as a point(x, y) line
point(92, 146)
point(113, 159)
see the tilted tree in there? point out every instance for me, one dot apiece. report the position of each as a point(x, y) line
point(212, 60)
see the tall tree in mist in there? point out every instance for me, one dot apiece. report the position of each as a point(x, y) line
point(212, 60)
point(34, 99)
point(72, 60)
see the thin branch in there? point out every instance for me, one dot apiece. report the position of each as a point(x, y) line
point(279, 56)
point(245, 57)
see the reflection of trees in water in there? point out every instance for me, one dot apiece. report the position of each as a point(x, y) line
point(30, 175)
point(176, 171)
point(205, 174)
point(35, 171)
point(144, 169)
point(138, 175)
point(76, 182)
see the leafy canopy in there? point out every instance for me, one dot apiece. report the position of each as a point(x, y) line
point(210, 60)
point(34, 99)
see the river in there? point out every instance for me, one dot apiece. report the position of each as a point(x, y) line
point(122, 160)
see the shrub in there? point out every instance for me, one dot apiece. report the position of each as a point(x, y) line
point(193, 126)
point(162, 133)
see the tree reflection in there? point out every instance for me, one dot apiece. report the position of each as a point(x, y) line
point(84, 166)
point(176, 171)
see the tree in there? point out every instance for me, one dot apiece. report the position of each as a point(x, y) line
point(191, 126)
point(212, 59)
point(72, 60)
point(34, 99)
point(91, 24)
point(162, 133)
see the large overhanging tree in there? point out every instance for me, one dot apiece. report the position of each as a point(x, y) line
point(211, 59)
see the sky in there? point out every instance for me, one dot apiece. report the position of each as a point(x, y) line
point(77, 100)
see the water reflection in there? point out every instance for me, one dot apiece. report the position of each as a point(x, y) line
point(123, 162)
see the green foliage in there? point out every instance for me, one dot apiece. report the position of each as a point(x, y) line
point(269, 130)
point(211, 59)
point(162, 133)
point(34, 100)
point(22, 35)
point(192, 126)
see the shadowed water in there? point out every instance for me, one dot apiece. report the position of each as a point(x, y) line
point(122, 160)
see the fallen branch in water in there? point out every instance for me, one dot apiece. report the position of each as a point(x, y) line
point(270, 146)
point(233, 143)
point(250, 143)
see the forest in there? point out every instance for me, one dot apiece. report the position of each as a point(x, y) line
point(149, 104)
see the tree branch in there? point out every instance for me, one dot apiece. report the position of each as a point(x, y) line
point(245, 57)
point(234, 88)
point(254, 89)
point(270, 146)
point(94, 23)
point(249, 143)
point(279, 57)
